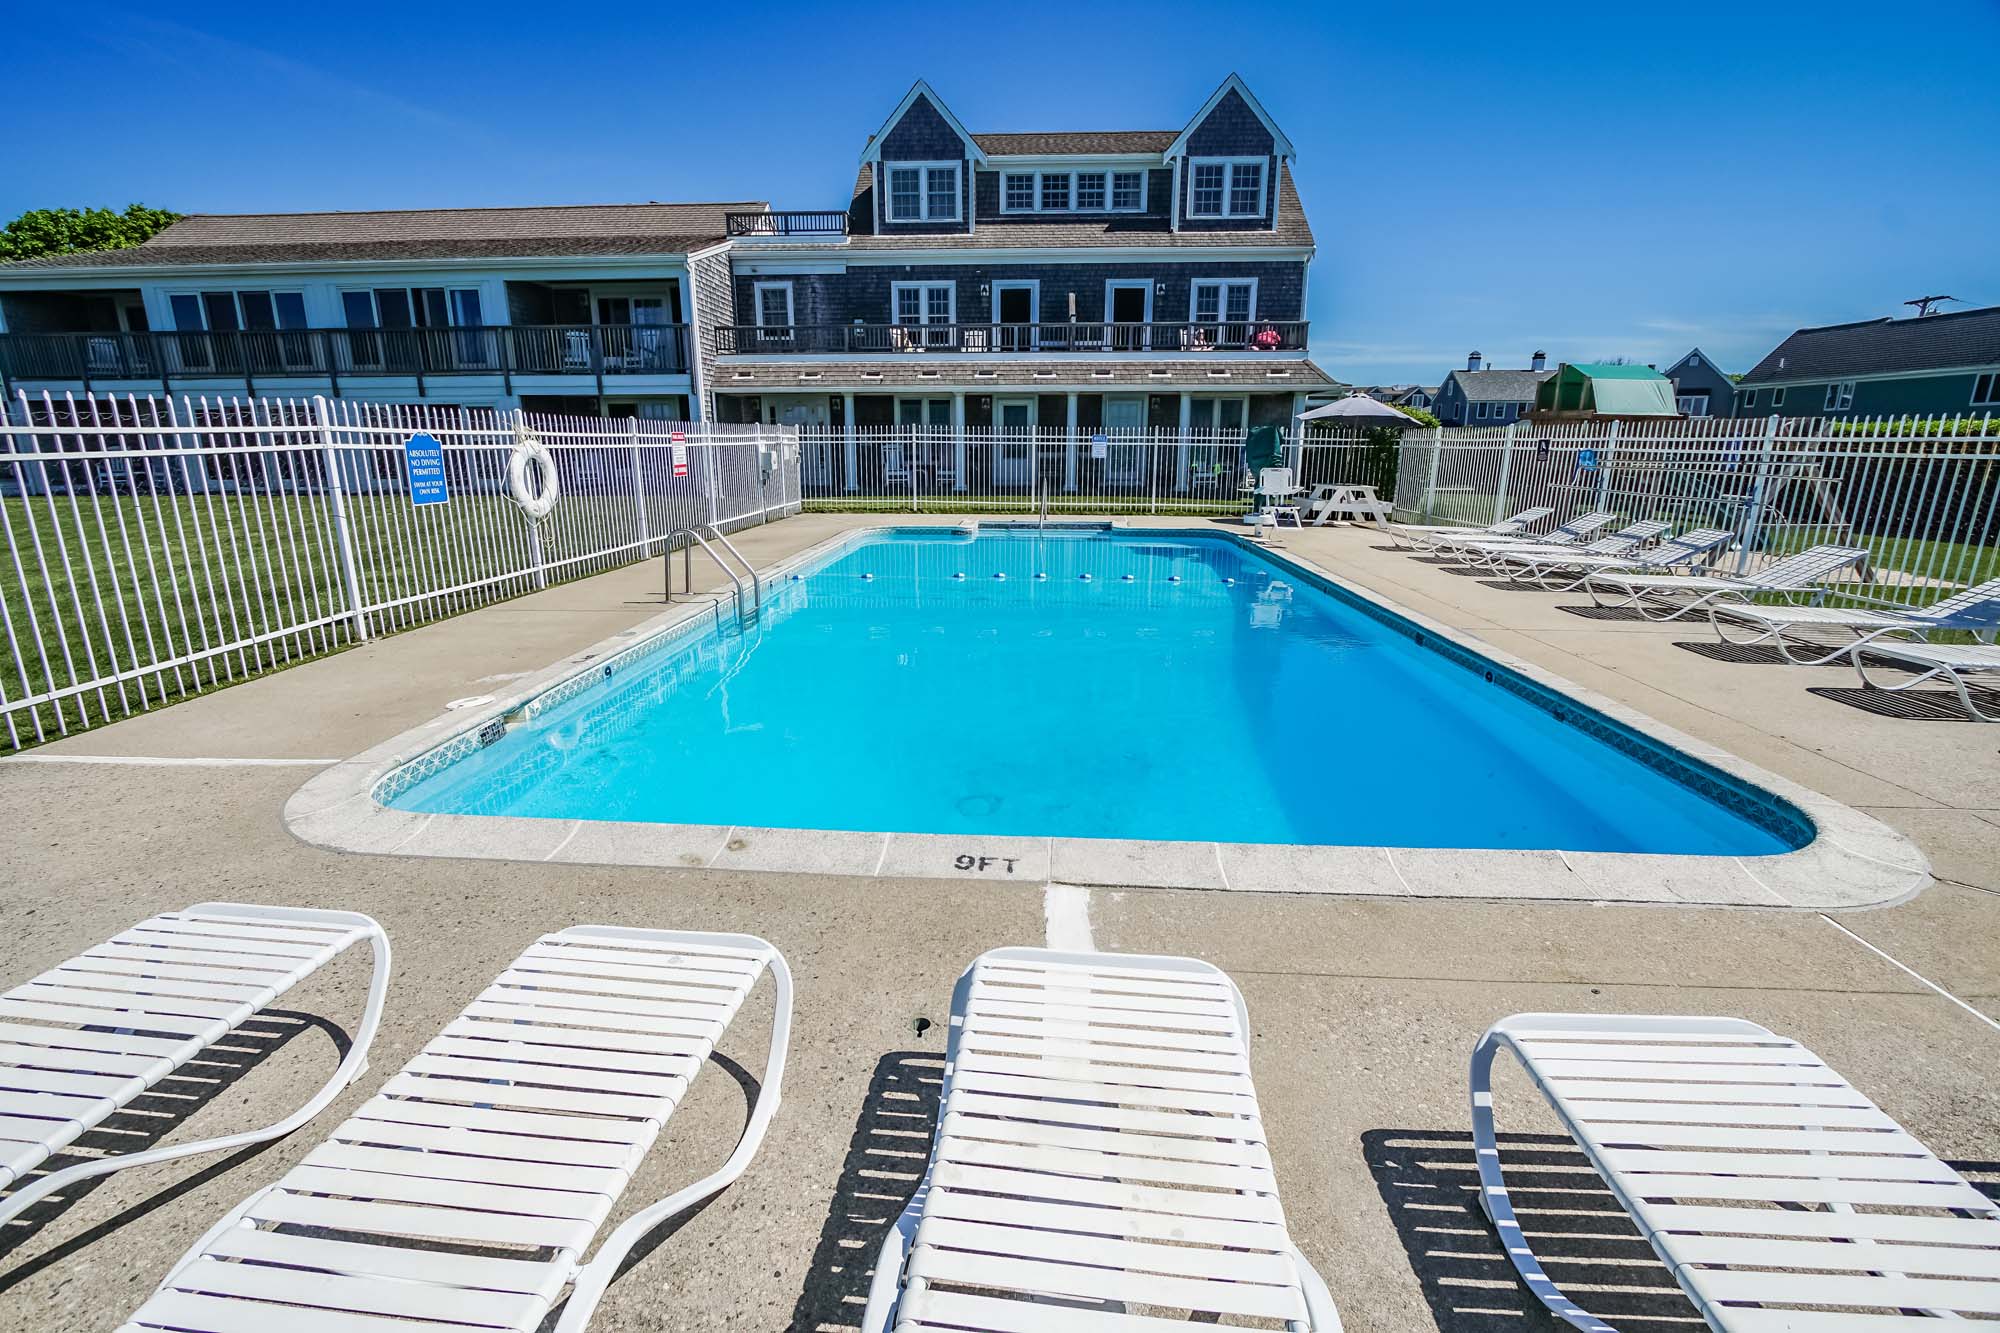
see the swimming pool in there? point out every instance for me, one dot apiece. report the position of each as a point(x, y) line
point(1109, 683)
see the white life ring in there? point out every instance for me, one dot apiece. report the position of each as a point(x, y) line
point(536, 503)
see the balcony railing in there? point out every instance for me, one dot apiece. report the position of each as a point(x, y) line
point(793, 222)
point(525, 349)
point(1257, 335)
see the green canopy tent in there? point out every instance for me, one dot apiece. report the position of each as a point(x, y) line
point(1598, 389)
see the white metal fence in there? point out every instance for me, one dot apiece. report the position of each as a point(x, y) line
point(161, 547)
point(920, 469)
point(1923, 495)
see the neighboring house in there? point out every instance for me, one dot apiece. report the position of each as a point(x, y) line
point(1076, 281)
point(1591, 390)
point(1934, 365)
point(582, 309)
point(1477, 396)
point(1701, 389)
point(1403, 395)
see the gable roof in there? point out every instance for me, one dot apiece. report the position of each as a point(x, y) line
point(1075, 141)
point(873, 149)
point(418, 233)
point(1961, 339)
point(1700, 357)
point(1112, 229)
point(1498, 386)
point(1233, 83)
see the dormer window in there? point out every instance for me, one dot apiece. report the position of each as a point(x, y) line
point(1055, 192)
point(1072, 191)
point(923, 192)
point(1226, 187)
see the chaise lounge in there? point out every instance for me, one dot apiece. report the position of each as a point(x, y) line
point(82, 1040)
point(1976, 609)
point(468, 1190)
point(1099, 1148)
point(1671, 596)
point(1778, 1196)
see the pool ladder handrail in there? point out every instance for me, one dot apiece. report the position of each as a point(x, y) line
point(750, 608)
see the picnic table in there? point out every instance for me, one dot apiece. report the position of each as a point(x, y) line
point(1357, 503)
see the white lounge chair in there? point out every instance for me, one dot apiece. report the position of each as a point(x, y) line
point(468, 1190)
point(1768, 1186)
point(1976, 609)
point(1562, 571)
point(1953, 661)
point(1425, 534)
point(1480, 546)
point(1671, 596)
point(83, 1039)
point(1099, 1147)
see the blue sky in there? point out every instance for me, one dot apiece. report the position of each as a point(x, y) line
point(1598, 182)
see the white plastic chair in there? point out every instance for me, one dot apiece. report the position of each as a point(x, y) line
point(83, 1039)
point(1281, 495)
point(469, 1189)
point(1098, 1146)
point(1767, 1185)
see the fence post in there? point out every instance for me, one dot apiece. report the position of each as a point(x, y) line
point(1506, 466)
point(349, 569)
point(1431, 485)
point(714, 481)
point(639, 489)
point(1753, 513)
point(1604, 467)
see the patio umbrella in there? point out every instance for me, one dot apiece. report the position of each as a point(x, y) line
point(1358, 407)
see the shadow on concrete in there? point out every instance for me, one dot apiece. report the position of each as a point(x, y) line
point(1748, 654)
point(1604, 612)
point(1511, 585)
point(885, 1163)
point(1429, 1182)
point(149, 1119)
point(1919, 706)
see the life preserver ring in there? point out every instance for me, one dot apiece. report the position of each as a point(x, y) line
point(538, 502)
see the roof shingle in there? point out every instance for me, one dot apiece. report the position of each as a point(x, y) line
point(1963, 338)
point(423, 233)
point(1078, 141)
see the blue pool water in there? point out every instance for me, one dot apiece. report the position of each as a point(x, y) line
point(1187, 689)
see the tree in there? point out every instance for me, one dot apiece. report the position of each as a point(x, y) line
point(62, 231)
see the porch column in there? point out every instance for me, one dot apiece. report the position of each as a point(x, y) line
point(958, 439)
point(1069, 449)
point(1296, 429)
point(1181, 450)
point(849, 452)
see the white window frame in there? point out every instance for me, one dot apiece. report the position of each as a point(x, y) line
point(1033, 287)
point(1479, 411)
point(1840, 396)
point(1778, 396)
point(1991, 397)
point(1106, 171)
point(923, 170)
point(923, 301)
point(757, 290)
point(1221, 299)
point(1229, 165)
point(200, 295)
point(1749, 399)
point(1686, 404)
point(1215, 412)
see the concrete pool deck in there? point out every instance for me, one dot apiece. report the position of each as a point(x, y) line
point(1363, 1009)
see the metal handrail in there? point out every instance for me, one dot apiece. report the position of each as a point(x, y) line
point(756, 606)
point(756, 583)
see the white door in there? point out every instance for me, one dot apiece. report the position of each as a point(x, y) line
point(1124, 457)
point(1014, 441)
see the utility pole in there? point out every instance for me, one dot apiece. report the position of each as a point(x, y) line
point(1924, 304)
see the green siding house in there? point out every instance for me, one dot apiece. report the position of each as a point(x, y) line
point(1930, 365)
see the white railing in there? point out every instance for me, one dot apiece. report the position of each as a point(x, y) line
point(157, 548)
point(1922, 494)
point(921, 469)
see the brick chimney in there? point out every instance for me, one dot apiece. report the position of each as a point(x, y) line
point(1540, 361)
point(1473, 362)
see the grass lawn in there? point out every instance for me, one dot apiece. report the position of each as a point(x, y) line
point(171, 579)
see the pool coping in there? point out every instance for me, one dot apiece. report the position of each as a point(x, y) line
point(1853, 861)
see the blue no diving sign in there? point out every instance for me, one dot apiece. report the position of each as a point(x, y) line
point(1586, 460)
point(423, 457)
